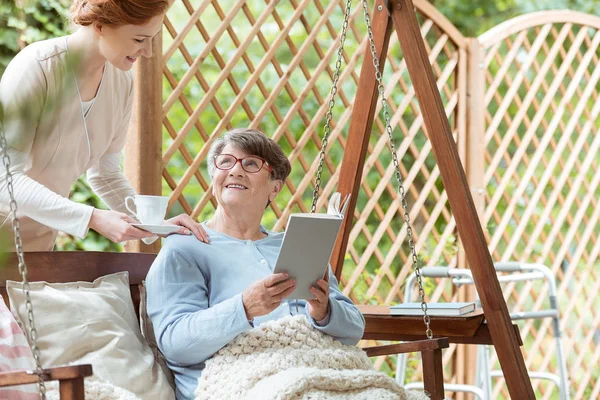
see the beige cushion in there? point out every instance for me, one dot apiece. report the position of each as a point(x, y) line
point(93, 323)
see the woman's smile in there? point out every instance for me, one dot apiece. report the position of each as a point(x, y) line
point(236, 186)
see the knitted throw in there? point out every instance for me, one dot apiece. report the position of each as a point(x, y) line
point(95, 389)
point(289, 359)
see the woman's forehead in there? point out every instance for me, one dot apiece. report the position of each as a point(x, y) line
point(236, 151)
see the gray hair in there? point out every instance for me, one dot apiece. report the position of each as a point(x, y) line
point(253, 142)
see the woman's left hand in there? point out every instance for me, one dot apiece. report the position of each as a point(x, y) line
point(318, 308)
point(188, 225)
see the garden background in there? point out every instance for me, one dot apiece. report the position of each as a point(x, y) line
point(24, 22)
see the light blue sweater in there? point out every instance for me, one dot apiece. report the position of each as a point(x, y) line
point(194, 293)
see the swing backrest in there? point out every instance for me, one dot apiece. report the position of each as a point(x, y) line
point(72, 266)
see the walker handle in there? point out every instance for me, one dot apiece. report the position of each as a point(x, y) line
point(510, 266)
point(435, 272)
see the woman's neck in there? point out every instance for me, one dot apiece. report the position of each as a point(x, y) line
point(244, 226)
point(83, 43)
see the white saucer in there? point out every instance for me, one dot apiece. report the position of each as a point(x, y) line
point(158, 229)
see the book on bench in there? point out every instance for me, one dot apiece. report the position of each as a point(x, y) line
point(308, 243)
point(433, 309)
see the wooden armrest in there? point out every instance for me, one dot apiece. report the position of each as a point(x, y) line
point(50, 374)
point(408, 347)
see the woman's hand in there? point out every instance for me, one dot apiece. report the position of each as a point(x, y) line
point(188, 225)
point(318, 308)
point(264, 296)
point(116, 226)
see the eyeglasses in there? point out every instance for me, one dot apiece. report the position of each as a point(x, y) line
point(251, 164)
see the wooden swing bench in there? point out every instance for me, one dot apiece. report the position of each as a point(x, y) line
point(56, 267)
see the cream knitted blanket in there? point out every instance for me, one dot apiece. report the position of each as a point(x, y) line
point(289, 359)
point(95, 389)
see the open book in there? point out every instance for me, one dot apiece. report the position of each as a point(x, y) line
point(307, 245)
point(438, 309)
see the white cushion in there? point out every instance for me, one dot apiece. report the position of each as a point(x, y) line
point(93, 323)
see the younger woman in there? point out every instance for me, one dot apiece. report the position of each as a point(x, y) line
point(67, 104)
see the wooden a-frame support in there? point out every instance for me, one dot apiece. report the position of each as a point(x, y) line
point(399, 14)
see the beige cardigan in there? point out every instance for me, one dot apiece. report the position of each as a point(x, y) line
point(48, 146)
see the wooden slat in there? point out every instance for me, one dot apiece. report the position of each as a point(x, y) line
point(432, 373)
point(526, 21)
point(179, 38)
point(75, 266)
point(71, 372)
point(70, 266)
point(72, 389)
point(360, 127)
point(411, 347)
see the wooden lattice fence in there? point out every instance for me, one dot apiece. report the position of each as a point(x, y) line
point(522, 104)
point(542, 140)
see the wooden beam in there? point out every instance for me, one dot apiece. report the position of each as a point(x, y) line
point(433, 373)
point(71, 389)
point(475, 170)
point(409, 347)
point(461, 202)
point(71, 372)
point(360, 129)
point(143, 149)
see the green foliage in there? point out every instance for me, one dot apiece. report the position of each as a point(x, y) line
point(474, 17)
point(25, 22)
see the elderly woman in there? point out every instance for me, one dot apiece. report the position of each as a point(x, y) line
point(202, 295)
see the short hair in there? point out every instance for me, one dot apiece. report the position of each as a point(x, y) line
point(253, 142)
point(116, 12)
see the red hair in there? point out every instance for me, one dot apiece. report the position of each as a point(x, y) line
point(116, 12)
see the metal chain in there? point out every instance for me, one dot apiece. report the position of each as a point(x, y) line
point(401, 191)
point(329, 115)
point(22, 266)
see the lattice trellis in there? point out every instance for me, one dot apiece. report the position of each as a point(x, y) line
point(542, 144)
point(268, 64)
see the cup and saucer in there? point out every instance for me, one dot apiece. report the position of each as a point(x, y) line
point(150, 211)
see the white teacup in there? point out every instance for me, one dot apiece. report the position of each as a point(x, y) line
point(150, 210)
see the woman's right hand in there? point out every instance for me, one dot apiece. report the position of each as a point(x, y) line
point(116, 226)
point(264, 296)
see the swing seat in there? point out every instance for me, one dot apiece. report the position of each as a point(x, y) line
point(54, 267)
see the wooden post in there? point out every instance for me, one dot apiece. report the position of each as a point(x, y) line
point(461, 201)
point(72, 389)
point(455, 182)
point(143, 149)
point(360, 128)
point(461, 359)
point(474, 166)
point(433, 367)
